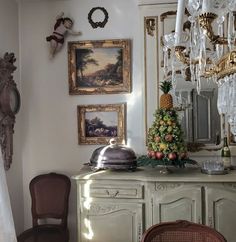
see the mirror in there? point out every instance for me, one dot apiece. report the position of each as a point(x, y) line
point(200, 120)
point(201, 123)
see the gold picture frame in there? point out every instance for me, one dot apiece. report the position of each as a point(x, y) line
point(99, 67)
point(97, 124)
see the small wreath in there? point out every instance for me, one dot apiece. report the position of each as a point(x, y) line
point(100, 24)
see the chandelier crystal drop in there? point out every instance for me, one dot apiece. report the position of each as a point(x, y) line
point(206, 48)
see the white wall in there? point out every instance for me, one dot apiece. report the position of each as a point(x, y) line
point(49, 140)
point(9, 42)
point(46, 136)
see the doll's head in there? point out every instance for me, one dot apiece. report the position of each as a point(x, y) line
point(67, 22)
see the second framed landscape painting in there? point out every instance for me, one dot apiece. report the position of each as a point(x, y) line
point(99, 67)
point(97, 124)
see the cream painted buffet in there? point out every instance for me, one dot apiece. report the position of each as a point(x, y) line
point(117, 206)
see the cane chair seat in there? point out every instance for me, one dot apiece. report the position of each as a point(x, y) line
point(181, 231)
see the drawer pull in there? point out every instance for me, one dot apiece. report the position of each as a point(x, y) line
point(112, 191)
point(112, 194)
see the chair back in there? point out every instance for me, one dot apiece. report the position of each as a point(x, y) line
point(50, 197)
point(181, 231)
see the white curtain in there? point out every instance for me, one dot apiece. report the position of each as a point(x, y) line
point(7, 229)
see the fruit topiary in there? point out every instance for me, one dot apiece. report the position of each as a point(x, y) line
point(165, 138)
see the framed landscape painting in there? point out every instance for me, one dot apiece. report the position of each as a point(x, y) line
point(99, 67)
point(97, 124)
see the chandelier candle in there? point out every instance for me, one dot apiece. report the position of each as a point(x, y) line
point(206, 6)
point(179, 21)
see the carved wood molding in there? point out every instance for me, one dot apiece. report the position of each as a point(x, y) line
point(230, 185)
point(98, 209)
point(150, 26)
point(164, 15)
point(167, 186)
point(9, 106)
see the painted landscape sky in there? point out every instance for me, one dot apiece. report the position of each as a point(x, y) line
point(99, 67)
point(108, 118)
point(103, 56)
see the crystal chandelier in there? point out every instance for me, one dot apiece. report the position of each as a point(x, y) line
point(207, 49)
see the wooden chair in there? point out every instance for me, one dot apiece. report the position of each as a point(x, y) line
point(50, 196)
point(181, 231)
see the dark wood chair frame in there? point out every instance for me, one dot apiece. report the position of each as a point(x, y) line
point(180, 225)
point(36, 216)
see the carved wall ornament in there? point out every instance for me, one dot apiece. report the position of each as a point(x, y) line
point(9, 106)
point(150, 26)
point(62, 27)
point(100, 24)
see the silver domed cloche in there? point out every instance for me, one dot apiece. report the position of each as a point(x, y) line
point(114, 156)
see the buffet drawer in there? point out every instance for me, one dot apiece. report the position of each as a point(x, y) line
point(112, 191)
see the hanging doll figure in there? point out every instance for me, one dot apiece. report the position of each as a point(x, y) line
point(56, 39)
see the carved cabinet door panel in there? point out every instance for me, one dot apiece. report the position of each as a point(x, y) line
point(221, 209)
point(173, 201)
point(111, 222)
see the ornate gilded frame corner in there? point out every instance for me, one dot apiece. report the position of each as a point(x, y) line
point(97, 83)
point(103, 133)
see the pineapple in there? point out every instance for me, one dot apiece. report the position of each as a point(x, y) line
point(166, 100)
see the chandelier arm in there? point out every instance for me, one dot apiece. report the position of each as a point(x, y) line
point(205, 21)
point(221, 41)
point(226, 66)
point(209, 73)
point(181, 56)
